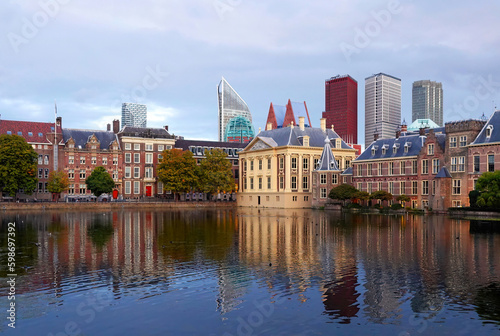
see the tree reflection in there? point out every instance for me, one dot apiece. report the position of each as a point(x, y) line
point(100, 232)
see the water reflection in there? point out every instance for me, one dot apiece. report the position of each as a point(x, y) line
point(348, 269)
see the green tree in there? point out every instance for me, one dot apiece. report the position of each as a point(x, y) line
point(58, 182)
point(100, 182)
point(488, 185)
point(215, 172)
point(403, 199)
point(178, 171)
point(362, 196)
point(381, 195)
point(17, 165)
point(343, 192)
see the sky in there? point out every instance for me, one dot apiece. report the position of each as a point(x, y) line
point(90, 56)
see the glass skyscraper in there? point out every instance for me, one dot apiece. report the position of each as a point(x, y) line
point(134, 115)
point(382, 106)
point(230, 105)
point(427, 101)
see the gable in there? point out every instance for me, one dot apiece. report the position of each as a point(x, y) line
point(259, 144)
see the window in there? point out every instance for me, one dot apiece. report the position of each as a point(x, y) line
point(260, 164)
point(115, 175)
point(335, 179)
point(294, 182)
point(137, 187)
point(414, 187)
point(46, 160)
point(305, 183)
point(104, 161)
point(127, 172)
point(83, 189)
point(40, 187)
point(425, 187)
point(316, 163)
point(128, 157)
point(71, 174)
point(347, 163)
point(360, 170)
point(149, 147)
point(425, 166)
point(137, 172)
point(269, 164)
point(71, 189)
point(454, 164)
point(359, 186)
point(260, 183)
point(434, 187)
point(457, 187)
point(453, 142)
point(269, 182)
point(294, 163)
point(430, 149)
point(294, 198)
point(251, 183)
point(251, 165)
point(489, 129)
point(137, 147)
point(128, 146)
point(491, 162)
point(127, 186)
point(282, 163)
point(160, 187)
point(322, 178)
point(306, 198)
point(391, 187)
point(148, 172)
point(476, 164)
point(40, 159)
point(322, 193)
point(94, 160)
point(463, 140)
point(115, 160)
point(20, 133)
point(414, 168)
point(10, 133)
point(93, 147)
point(83, 174)
point(379, 170)
point(456, 204)
point(71, 159)
point(425, 203)
point(461, 163)
point(391, 168)
point(40, 173)
point(435, 166)
point(370, 187)
point(402, 168)
point(244, 184)
point(370, 172)
point(137, 158)
point(82, 160)
point(402, 188)
point(305, 164)
point(282, 182)
point(161, 148)
point(149, 158)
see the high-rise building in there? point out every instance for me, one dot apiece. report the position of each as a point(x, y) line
point(427, 101)
point(134, 115)
point(341, 106)
point(239, 129)
point(382, 106)
point(230, 105)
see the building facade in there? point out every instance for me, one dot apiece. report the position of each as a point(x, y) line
point(134, 115)
point(325, 176)
point(341, 106)
point(239, 129)
point(277, 166)
point(382, 106)
point(230, 105)
point(427, 101)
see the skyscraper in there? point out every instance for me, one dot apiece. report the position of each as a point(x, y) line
point(134, 115)
point(230, 105)
point(382, 106)
point(427, 101)
point(341, 106)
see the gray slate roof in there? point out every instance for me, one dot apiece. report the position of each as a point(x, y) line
point(348, 171)
point(145, 132)
point(443, 172)
point(289, 136)
point(327, 161)
point(413, 142)
point(493, 122)
point(81, 137)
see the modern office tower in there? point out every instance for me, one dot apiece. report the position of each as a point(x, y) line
point(382, 106)
point(341, 107)
point(134, 115)
point(427, 101)
point(239, 129)
point(230, 105)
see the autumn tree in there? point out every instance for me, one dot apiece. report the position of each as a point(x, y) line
point(362, 196)
point(100, 182)
point(178, 171)
point(215, 172)
point(343, 192)
point(57, 183)
point(17, 165)
point(488, 186)
point(381, 195)
point(403, 199)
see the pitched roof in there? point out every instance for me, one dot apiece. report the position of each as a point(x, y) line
point(443, 173)
point(32, 132)
point(81, 137)
point(494, 125)
point(413, 143)
point(327, 161)
point(293, 136)
point(348, 171)
point(185, 144)
point(145, 132)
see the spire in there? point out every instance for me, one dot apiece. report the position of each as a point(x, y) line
point(327, 160)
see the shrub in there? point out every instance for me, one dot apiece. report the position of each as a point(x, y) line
point(396, 206)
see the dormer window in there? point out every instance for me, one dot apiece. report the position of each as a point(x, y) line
point(395, 148)
point(384, 149)
point(407, 145)
point(373, 151)
point(489, 129)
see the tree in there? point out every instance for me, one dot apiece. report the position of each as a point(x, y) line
point(343, 192)
point(473, 198)
point(57, 183)
point(362, 196)
point(17, 165)
point(403, 199)
point(215, 172)
point(100, 182)
point(488, 185)
point(178, 171)
point(381, 195)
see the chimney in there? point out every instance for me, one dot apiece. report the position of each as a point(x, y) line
point(108, 128)
point(375, 135)
point(269, 126)
point(166, 127)
point(421, 131)
point(291, 124)
point(398, 133)
point(302, 123)
point(404, 128)
point(116, 126)
point(260, 129)
point(59, 121)
point(323, 124)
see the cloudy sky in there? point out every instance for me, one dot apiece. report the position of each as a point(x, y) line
point(90, 56)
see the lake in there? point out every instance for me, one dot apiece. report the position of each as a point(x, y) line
point(249, 272)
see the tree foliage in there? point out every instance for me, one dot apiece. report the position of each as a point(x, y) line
point(17, 165)
point(343, 192)
point(100, 182)
point(381, 195)
point(58, 182)
point(488, 185)
point(403, 198)
point(215, 172)
point(178, 171)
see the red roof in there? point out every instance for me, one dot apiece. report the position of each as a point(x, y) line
point(32, 132)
